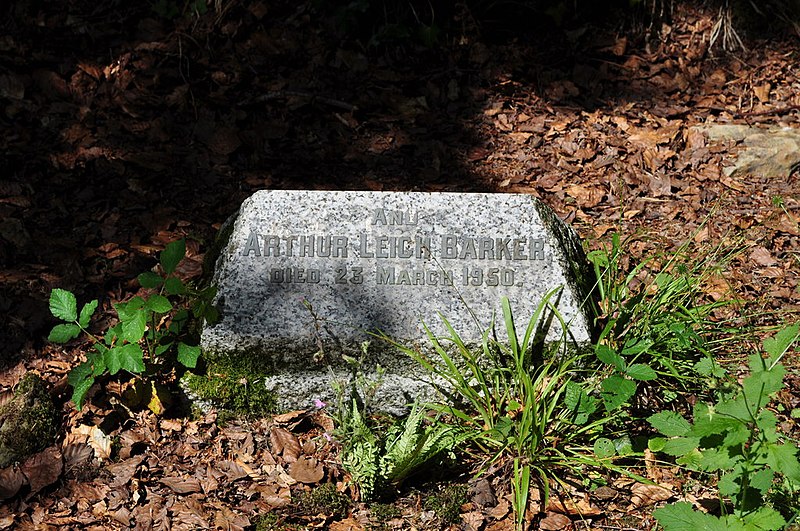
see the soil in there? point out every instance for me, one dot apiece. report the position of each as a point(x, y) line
point(126, 126)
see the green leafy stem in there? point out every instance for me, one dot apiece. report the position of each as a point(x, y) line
point(149, 328)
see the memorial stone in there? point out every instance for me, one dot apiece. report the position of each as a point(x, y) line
point(307, 276)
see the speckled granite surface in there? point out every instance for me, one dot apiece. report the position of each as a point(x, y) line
point(306, 275)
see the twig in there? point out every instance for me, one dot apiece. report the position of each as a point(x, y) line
point(769, 112)
point(281, 94)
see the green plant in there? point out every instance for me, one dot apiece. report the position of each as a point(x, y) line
point(376, 460)
point(517, 400)
point(654, 329)
point(152, 334)
point(737, 440)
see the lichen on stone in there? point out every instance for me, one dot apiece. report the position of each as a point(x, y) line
point(27, 422)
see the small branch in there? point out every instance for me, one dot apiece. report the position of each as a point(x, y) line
point(283, 94)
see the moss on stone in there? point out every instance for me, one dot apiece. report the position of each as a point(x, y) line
point(27, 422)
point(234, 386)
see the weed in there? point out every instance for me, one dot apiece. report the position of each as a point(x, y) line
point(653, 328)
point(518, 401)
point(737, 440)
point(153, 334)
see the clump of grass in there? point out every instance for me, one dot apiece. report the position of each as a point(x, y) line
point(519, 402)
point(655, 326)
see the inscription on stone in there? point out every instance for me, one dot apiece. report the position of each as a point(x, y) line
point(307, 275)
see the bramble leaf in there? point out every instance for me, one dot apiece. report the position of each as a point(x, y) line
point(682, 517)
point(616, 390)
point(780, 342)
point(709, 367)
point(609, 356)
point(158, 304)
point(133, 328)
point(64, 332)
point(640, 371)
point(174, 286)
point(86, 313)
point(79, 391)
point(63, 305)
point(148, 279)
point(669, 423)
point(579, 403)
point(187, 355)
point(172, 254)
point(128, 357)
point(679, 446)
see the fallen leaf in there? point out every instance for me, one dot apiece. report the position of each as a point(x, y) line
point(99, 441)
point(762, 92)
point(577, 506)
point(642, 494)
point(473, 520)
point(226, 519)
point(587, 196)
point(284, 443)
point(554, 521)
point(307, 470)
point(123, 471)
point(348, 524)
point(292, 417)
point(43, 469)
point(182, 485)
point(11, 480)
point(762, 257)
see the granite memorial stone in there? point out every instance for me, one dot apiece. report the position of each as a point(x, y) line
point(306, 276)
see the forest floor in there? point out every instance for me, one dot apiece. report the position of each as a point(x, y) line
point(124, 129)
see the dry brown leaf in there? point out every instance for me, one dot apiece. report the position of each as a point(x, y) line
point(76, 455)
point(228, 520)
point(11, 377)
point(99, 441)
point(11, 480)
point(587, 196)
point(554, 521)
point(642, 494)
point(762, 257)
point(284, 443)
point(520, 138)
point(43, 469)
point(123, 471)
point(182, 485)
point(762, 92)
point(348, 524)
point(307, 470)
point(507, 524)
point(291, 417)
point(473, 520)
point(575, 505)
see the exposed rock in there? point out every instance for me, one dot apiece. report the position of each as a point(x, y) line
point(27, 421)
point(772, 152)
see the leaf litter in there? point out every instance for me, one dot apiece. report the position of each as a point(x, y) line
point(166, 138)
